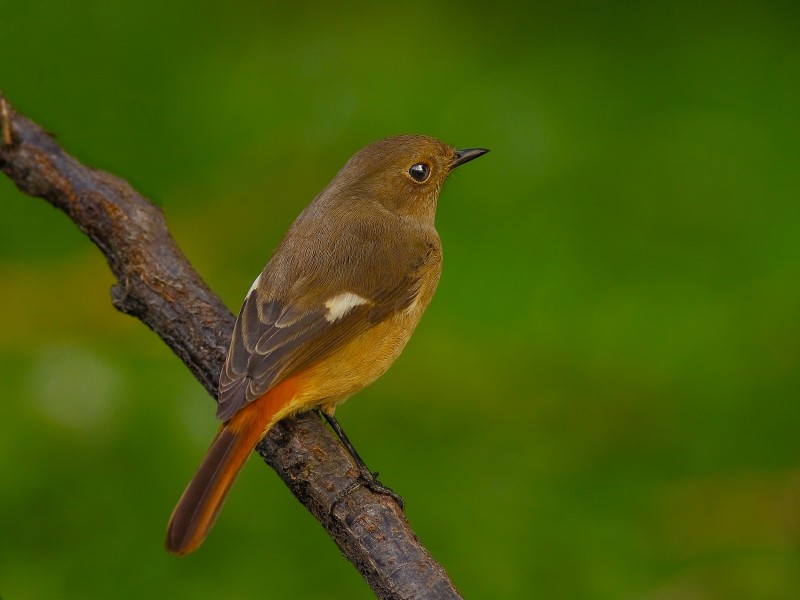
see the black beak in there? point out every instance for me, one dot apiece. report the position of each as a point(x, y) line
point(466, 155)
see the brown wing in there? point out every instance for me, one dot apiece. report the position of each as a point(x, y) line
point(271, 341)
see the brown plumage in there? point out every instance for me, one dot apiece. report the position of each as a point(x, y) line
point(330, 312)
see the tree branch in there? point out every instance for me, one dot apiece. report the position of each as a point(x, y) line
point(156, 284)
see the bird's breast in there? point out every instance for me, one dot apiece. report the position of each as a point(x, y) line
point(365, 358)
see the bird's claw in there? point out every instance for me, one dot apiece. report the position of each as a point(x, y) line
point(369, 480)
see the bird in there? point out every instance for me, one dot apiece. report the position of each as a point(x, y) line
point(329, 313)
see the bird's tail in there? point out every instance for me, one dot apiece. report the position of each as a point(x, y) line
point(200, 503)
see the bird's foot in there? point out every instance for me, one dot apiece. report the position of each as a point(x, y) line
point(369, 480)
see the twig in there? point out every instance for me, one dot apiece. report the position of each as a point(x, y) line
point(6, 122)
point(156, 284)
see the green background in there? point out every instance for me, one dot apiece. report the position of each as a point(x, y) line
point(602, 400)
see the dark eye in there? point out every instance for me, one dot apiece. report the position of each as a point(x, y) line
point(419, 172)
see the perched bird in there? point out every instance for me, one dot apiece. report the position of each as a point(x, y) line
point(330, 312)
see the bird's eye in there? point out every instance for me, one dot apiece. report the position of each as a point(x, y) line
point(420, 172)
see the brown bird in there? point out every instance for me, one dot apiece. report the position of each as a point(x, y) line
point(330, 312)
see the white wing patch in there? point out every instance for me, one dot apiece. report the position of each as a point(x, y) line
point(255, 285)
point(339, 305)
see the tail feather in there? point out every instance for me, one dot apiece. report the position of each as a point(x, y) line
point(200, 503)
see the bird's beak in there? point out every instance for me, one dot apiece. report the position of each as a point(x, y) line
point(466, 155)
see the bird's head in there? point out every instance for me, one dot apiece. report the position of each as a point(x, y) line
point(404, 173)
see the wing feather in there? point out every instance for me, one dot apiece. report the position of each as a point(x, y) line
point(275, 341)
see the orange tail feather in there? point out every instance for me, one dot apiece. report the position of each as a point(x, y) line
point(200, 503)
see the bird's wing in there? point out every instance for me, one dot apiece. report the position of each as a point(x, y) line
point(273, 340)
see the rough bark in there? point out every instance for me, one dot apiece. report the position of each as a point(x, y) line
point(156, 284)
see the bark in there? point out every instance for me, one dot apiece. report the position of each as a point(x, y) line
point(157, 285)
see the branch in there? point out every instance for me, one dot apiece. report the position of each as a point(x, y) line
point(156, 284)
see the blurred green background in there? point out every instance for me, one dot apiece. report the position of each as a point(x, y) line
point(602, 400)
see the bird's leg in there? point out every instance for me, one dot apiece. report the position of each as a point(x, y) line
point(370, 478)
